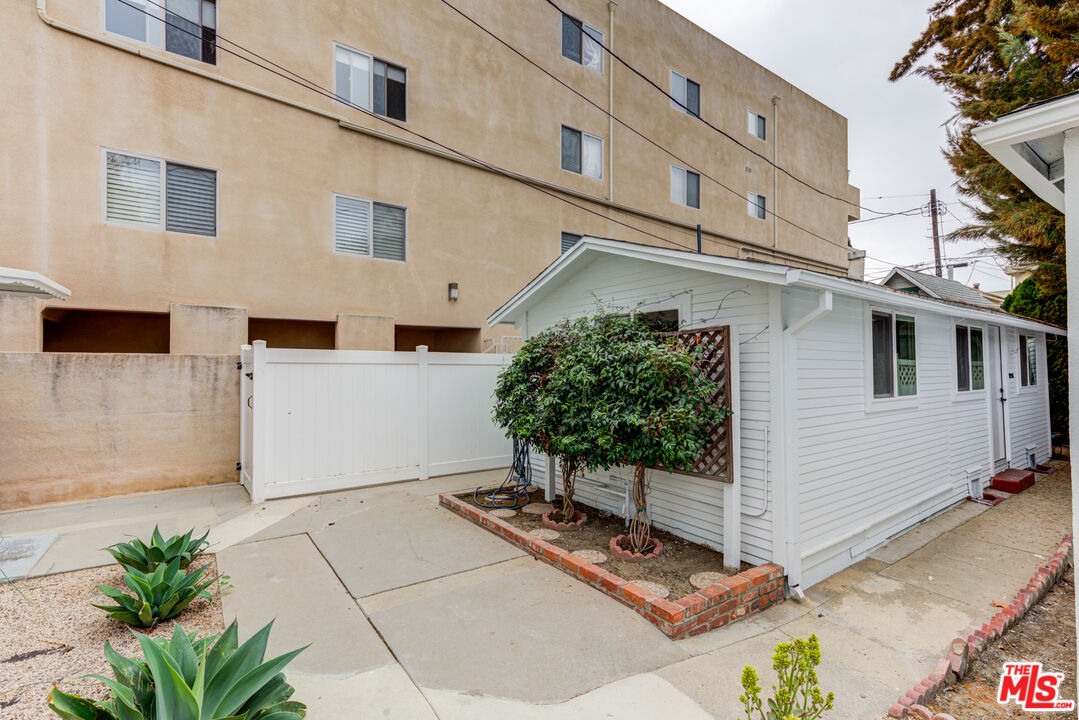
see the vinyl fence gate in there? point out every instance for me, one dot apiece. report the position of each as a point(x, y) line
point(314, 421)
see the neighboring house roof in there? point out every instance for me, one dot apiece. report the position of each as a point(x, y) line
point(935, 287)
point(27, 282)
point(589, 249)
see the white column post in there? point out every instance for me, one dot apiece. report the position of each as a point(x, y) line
point(732, 493)
point(551, 477)
point(1071, 240)
point(424, 412)
point(259, 423)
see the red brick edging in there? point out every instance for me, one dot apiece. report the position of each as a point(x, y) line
point(733, 598)
point(961, 652)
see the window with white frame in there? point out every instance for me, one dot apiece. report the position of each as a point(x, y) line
point(370, 83)
point(568, 241)
point(969, 358)
point(685, 187)
point(758, 126)
point(894, 355)
point(758, 206)
point(1028, 360)
point(582, 153)
point(370, 229)
point(154, 194)
point(582, 43)
point(183, 27)
point(686, 94)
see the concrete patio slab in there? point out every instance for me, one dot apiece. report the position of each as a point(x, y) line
point(19, 555)
point(927, 532)
point(953, 577)
point(480, 639)
point(405, 541)
point(243, 525)
point(639, 696)
point(288, 581)
point(1017, 564)
point(385, 693)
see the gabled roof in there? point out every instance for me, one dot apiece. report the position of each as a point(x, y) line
point(938, 287)
point(590, 249)
point(27, 282)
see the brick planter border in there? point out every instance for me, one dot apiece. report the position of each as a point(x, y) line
point(962, 651)
point(733, 598)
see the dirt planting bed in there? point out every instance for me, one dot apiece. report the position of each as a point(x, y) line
point(1045, 635)
point(672, 568)
point(49, 634)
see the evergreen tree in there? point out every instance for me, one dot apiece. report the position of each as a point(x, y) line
point(992, 57)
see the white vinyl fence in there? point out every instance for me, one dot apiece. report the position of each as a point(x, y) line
point(321, 420)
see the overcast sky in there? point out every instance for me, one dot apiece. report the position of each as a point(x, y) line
point(841, 51)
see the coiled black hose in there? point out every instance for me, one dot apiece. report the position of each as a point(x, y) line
point(513, 492)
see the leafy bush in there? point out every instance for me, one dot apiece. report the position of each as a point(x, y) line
point(145, 558)
point(159, 596)
point(798, 696)
point(190, 678)
point(1034, 299)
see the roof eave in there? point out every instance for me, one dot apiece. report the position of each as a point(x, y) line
point(31, 284)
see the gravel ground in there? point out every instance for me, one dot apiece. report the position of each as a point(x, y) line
point(1046, 634)
point(50, 634)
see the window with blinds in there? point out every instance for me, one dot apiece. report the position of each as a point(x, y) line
point(369, 229)
point(568, 241)
point(190, 200)
point(157, 195)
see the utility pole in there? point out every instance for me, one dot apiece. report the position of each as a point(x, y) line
point(936, 232)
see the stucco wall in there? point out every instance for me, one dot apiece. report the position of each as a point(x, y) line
point(280, 157)
point(75, 426)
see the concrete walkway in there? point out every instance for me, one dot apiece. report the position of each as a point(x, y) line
point(413, 612)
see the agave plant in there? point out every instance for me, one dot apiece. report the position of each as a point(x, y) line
point(188, 678)
point(160, 595)
point(137, 555)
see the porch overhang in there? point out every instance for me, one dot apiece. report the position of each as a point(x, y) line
point(28, 283)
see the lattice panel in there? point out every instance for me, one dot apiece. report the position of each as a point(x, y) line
point(715, 363)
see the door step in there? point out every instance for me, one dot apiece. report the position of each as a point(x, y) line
point(1012, 480)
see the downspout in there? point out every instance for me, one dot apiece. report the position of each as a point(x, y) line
point(775, 171)
point(610, 102)
point(793, 564)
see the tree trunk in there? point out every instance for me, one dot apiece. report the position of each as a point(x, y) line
point(569, 473)
point(640, 530)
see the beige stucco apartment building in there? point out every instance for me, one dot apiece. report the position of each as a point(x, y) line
point(193, 201)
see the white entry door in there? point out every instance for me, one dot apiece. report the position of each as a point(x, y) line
point(997, 397)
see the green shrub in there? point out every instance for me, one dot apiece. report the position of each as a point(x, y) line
point(144, 557)
point(160, 595)
point(798, 696)
point(188, 678)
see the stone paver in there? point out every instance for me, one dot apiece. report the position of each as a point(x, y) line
point(18, 555)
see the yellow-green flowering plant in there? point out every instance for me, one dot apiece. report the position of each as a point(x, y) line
point(798, 695)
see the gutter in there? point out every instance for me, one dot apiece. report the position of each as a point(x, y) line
point(348, 125)
point(793, 561)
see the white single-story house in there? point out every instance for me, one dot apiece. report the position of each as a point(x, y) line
point(860, 410)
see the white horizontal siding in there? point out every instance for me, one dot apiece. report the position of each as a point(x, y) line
point(883, 470)
point(686, 506)
point(1028, 415)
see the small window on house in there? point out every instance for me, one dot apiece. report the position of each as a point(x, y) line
point(135, 187)
point(895, 368)
point(1028, 360)
point(582, 43)
point(685, 187)
point(369, 83)
point(568, 241)
point(686, 94)
point(969, 362)
point(191, 29)
point(582, 153)
point(183, 27)
point(370, 229)
point(660, 320)
point(758, 206)
point(758, 126)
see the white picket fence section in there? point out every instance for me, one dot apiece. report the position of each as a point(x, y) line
point(321, 420)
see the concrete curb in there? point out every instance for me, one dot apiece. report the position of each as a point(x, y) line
point(962, 651)
point(716, 605)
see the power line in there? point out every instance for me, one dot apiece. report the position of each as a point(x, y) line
point(719, 130)
point(315, 87)
point(624, 124)
point(905, 213)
